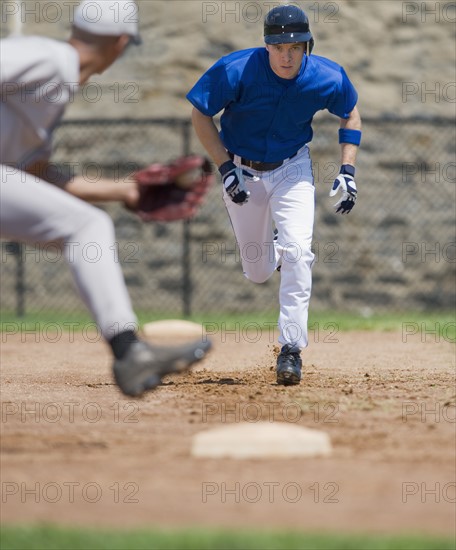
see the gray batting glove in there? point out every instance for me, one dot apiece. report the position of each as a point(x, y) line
point(233, 180)
point(346, 184)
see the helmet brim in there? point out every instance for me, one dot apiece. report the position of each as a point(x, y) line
point(288, 38)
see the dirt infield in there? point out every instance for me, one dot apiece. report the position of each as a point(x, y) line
point(74, 451)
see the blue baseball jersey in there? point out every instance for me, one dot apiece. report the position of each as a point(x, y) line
point(267, 118)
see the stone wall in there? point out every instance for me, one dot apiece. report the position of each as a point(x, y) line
point(394, 252)
point(400, 55)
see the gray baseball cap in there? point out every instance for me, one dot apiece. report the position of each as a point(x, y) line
point(108, 18)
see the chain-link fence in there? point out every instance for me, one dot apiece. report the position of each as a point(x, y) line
point(395, 252)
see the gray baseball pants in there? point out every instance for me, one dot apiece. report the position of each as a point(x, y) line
point(38, 213)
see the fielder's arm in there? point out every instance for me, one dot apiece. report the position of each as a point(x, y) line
point(208, 135)
point(101, 190)
point(348, 150)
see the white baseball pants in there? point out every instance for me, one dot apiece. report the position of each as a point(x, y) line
point(285, 196)
point(37, 212)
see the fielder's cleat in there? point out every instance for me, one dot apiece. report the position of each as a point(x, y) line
point(144, 365)
point(289, 366)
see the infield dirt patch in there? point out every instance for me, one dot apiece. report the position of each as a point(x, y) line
point(76, 452)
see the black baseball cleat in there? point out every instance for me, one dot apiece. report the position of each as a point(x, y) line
point(289, 366)
point(143, 366)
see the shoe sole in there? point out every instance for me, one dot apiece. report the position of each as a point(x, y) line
point(140, 387)
point(145, 380)
point(287, 378)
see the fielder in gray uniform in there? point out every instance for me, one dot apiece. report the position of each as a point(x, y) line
point(38, 77)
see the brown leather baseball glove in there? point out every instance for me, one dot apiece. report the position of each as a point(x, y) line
point(173, 191)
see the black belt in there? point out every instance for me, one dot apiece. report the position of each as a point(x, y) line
point(260, 166)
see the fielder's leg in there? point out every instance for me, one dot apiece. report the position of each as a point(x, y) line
point(36, 212)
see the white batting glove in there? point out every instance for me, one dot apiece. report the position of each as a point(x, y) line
point(234, 182)
point(345, 182)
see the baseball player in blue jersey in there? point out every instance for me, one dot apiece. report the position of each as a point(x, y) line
point(37, 77)
point(269, 96)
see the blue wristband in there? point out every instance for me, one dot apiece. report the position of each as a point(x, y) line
point(349, 136)
point(348, 169)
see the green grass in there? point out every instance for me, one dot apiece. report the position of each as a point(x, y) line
point(443, 322)
point(50, 538)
